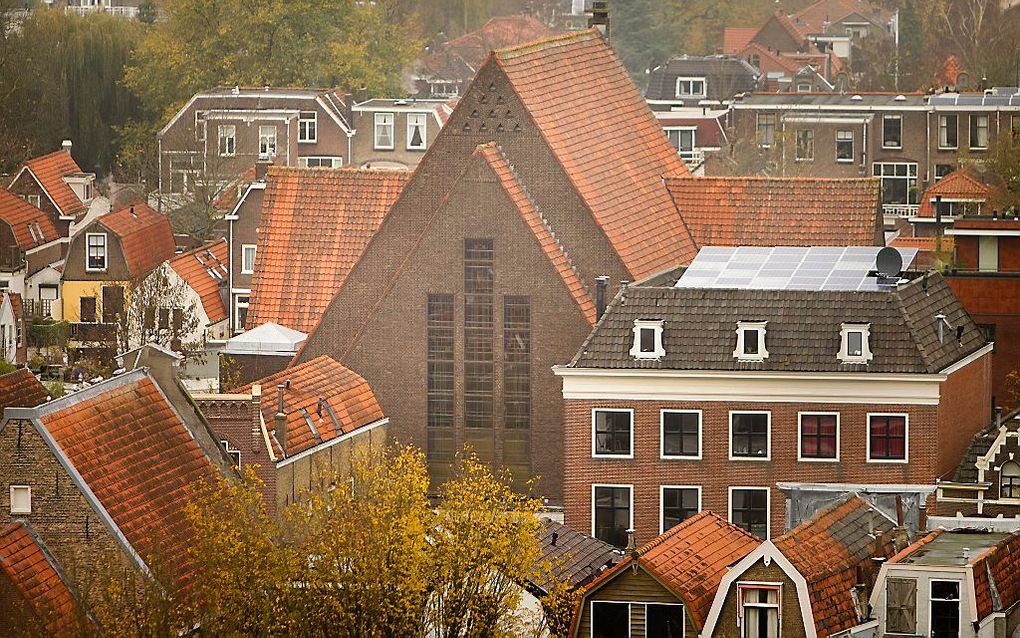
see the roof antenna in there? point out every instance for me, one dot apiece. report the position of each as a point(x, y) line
point(941, 323)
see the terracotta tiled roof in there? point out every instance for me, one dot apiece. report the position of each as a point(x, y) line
point(16, 307)
point(997, 577)
point(828, 549)
point(145, 237)
point(922, 243)
point(949, 72)
point(139, 460)
point(778, 211)
point(769, 62)
point(31, 226)
point(35, 577)
point(20, 389)
point(792, 29)
point(315, 224)
point(960, 185)
point(537, 223)
point(617, 156)
point(349, 405)
point(813, 18)
point(691, 559)
point(204, 268)
point(905, 553)
point(736, 38)
point(233, 191)
point(50, 170)
point(497, 33)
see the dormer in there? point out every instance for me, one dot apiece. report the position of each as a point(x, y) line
point(855, 343)
point(751, 341)
point(648, 340)
point(83, 185)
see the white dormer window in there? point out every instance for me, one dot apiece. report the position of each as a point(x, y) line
point(855, 343)
point(647, 340)
point(690, 87)
point(751, 341)
point(95, 256)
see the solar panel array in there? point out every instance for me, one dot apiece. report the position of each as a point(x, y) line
point(788, 268)
point(1002, 96)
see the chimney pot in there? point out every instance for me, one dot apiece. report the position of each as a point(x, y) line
point(281, 419)
point(66, 145)
point(630, 540)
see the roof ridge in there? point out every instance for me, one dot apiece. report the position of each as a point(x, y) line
point(544, 43)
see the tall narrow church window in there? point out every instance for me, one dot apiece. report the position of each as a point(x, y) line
point(478, 345)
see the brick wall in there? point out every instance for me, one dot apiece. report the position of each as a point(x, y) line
point(791, 619)
point(964, 409)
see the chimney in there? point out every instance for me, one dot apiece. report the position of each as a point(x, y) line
point(555, 537)
point(938, 211)
point(261, 168)
point(601, 283)
point(922, 517)
point(361, 95)
point(281, 420)
point(256, 401)
point(998, 417)
point(630, 540)
point(600, 17)
point(66, 145)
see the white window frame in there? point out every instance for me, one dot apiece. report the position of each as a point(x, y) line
point(844, 343)
point(662, 434)
point(647, 324)
point(971, 129)
point(303, 127)
point(898, 118)
point(630, 506)
point(424, 131)
point(768, 436)
point(225, 132)
point(335, 161)
point(596, 455)
point(851, 140)
point(237, 307)
point(380, 121)
point(106, 252)
point(662, 495)
point(267, 142)
point(763, 352)
point(759, 585)
point(18, 488)
point(690, 81)
point(800, 453)
point(244, 251)
point(630, 611)
point(906, 438)
point(959, 601)
point(804, 88)
point(230, 451)
point(758, 118)
point(943, 119)
point(35, 200)
point(768, 505)
point(1011, 499)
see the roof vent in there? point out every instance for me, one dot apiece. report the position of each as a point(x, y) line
point(66, 145)
point(857, 98)
point(900, 98)
point(400, 103)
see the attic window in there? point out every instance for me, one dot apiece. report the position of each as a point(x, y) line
point(690, 87)
point(751, 341)
point(647, 340)
point(95, 257)
point(21, 499)
point(855, 343)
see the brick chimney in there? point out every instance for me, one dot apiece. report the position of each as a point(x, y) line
point(256, 431)
point(600, 17)
point(601, 283)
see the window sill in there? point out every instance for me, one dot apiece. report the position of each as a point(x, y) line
point(620, 457)
point(979, 148)
point(949, 148)
point(247, 272)
point(844, 161)
point(803, 160)
point(382, 148)
point(892, 148)
point(418, 150)
point(758, 459)
point(812, 460)
point(667, 457)
point(307, 142)
point(98, 271)
point(888, 461)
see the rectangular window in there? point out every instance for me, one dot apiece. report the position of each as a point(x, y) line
point(612, 433)
point(240, 312)
point(440, 361)
point(247, 259)
point(324, 161)
point(941, 170)
point(383, 131)
point(164, 318)
point(690, 87)
point(87, 309)
point(887, 437)
point(749, 435)
point(901, 606)
point(678, 504)
point(227, 137)
point(845, 146)
point(803, 88)
point(892, 131)
point(307, 126)
point(200, 126)
point(765, 129)
point(750, 342)
point(749, 509)
point(681, 434)
point(21, 499)
point(948, 131)
point(610, 620)
point(611, 515)
point(805, 151)
point(34, 200)
point(95, 257)
point(417, 131)
point(664, 621)
point(267, 142)
point(479, 275)
point(899, 182)
point(819, 436)
point(945, 608)
point(759, 611)
point(855, 343)
point(979, 132)
point(517, 362)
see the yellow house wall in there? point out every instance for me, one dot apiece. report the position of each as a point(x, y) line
point(73, 291)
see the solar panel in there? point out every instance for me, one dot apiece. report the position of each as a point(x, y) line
point(787, 268)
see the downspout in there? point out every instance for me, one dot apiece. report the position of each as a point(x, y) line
point(230, 276)
point(927, 146)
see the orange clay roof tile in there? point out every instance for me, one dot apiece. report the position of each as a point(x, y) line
point(814, 18)
point(616, 155)
point(20, 389)
point(145, 236)
point(315, 224)
point(37, 580)
point(736, 38)
point(204, 268)
point(31, 226)
point(50, 170)
point(998, 569)
point(778, 211)
point(960, 185)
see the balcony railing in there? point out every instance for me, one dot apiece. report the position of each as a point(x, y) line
point(83, 332)
point(693, 158)
point(901, 210)
point(123, 12)
point(37, 309)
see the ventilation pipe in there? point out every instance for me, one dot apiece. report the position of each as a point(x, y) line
point(601, 283)
point(281, 419)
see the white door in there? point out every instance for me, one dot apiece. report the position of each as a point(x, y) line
point(988, 254)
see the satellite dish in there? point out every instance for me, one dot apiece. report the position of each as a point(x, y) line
point(889, 262)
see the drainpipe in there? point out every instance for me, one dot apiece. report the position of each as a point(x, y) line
point(281, 420)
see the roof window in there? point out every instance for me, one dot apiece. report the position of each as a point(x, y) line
point(751, 341)
point(855, 343)
point(648, 340)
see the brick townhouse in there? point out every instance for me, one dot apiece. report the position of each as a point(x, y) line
point(762, 366)
point(55, 184)
point(30, 245)
point(909, 140)
point(987, 481)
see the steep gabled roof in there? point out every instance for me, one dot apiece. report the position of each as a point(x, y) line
point(497, 33)
point(778, 211)
point(736, 38)
point(348, 403)
point(690, 560)
point(314, 226)
point(828, 549)
point(615, 155)
point(145, 236)
point(962, 185)
point(20, 389)
point(574, 558)
point(204, 269)
point(49, 170)
point(997, 577)
point(814, 18)
point(31, 226)
point(31, 570)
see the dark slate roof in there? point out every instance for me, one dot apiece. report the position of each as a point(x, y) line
point(725, 76)
point(966, 471)
point(575, 558)
point(803, 328)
